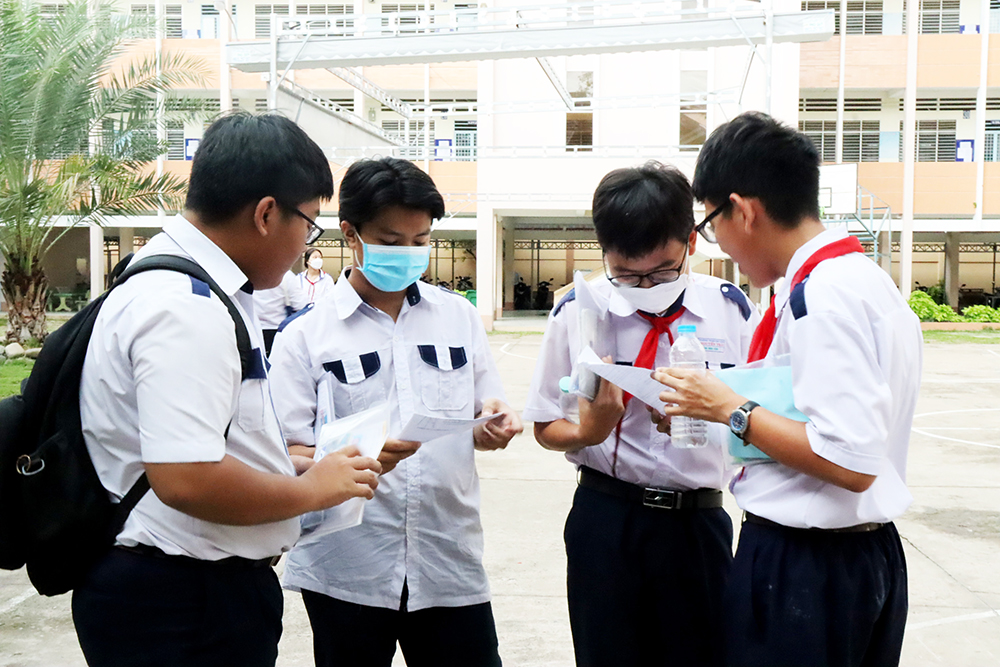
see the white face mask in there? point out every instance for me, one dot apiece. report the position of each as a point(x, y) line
point(316, 263)
point(657, 298)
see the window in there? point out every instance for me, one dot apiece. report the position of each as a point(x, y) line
point(466, 139)
point(935, 141)
point(262, 19)
point(403, 22)
point(175, 140)
point(864, 17)
point(861, 139)
point(49, 12)
point(939, 17)
point(579, 132)
point(209, 22)
point(397, 130)
point(823, 134)
point(172, 27)
point(339, 26)
point(991, 150)
point(829, 104)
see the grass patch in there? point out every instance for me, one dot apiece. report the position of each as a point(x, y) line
point(12, 371)
point(499, 332)
point(986, 336)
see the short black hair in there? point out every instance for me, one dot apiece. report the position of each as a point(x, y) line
point(370, 186)
point(245, 157)
point(639, 209)
point(753, 155)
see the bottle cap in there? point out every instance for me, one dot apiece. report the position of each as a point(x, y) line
point(565, 384)
point(686, 329)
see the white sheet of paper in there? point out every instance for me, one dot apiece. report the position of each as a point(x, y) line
point(636, 381)
point(424, 428)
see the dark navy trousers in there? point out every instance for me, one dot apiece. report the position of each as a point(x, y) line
point(804, 598)
point(645, 585)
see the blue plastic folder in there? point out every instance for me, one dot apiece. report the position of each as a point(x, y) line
point(771, 387)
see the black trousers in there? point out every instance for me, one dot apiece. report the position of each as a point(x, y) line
point(348, 634)
point(645, 585)
point(138, 610)
point(800, 598)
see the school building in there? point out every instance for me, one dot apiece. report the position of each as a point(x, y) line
point(517, 110)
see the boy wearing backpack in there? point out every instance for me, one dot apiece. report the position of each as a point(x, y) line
point(189, 581)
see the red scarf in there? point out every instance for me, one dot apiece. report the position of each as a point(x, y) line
point(764, 335)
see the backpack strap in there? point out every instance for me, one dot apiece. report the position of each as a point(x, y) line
point(186, 266)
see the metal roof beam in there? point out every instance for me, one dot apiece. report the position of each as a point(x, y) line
point(371, 89)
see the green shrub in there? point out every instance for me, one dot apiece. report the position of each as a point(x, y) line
point(981, 314)
point(937, 293)
point(943, 313)
point(922, 304)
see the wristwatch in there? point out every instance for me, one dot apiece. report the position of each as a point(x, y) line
point(739, 419)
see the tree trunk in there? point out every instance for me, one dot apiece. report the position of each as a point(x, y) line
point(26, 296)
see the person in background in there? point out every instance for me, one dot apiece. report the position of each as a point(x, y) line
point(314, 281)
point(275, 304)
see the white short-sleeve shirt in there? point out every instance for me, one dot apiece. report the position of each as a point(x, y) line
point(315, 291)
point(725, 321)
point(162, 382)
point(423, 524)
point(273, 305)
point(856, 351)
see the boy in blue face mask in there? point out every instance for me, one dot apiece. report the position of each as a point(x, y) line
point(412, 572)
point(648, 544)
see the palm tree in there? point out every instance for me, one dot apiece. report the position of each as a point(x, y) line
point(77, 134)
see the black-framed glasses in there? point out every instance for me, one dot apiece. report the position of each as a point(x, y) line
point(706, 227)
point(658, 277)
point(315, 231)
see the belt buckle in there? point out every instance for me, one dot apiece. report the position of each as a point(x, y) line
point(666, 499)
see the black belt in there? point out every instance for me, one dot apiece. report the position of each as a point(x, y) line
point(860, 528)
point(668, 499)
point(232, 561)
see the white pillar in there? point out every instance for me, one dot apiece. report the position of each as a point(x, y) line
point(126, 241)
point(161, 123)
point(980, 146)
point(96, 261)
point(272, 82)
point(840, 82)
point(909, 150)
point(486, 265)
point(225, 77)
point(508, 265)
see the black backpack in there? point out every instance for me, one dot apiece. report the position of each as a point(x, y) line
point(55, 516)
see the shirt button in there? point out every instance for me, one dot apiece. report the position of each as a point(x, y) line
point(395, 339)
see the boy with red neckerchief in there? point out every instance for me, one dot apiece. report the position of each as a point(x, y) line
point(819, 577)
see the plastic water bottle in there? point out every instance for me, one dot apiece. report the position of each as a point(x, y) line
point(687, 353)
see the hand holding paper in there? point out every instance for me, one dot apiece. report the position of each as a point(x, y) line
point(636, 381)
point(425, 428)
point(501, 425)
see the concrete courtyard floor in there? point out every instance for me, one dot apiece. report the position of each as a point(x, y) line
point(951, 533)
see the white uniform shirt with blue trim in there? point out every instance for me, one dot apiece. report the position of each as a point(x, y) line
point(856, 351)
point(423, 524)
point(725, 321)
point(315, 291)
point(162, 382)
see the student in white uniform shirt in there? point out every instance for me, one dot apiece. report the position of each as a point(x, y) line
point(314, 281)
point(819, 576)
point(274, 305)
point(412, 572)
point(648, 544)
point(189, 581)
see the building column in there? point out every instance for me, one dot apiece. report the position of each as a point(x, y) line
point(508, 264)
point(96, 261)
point(126, 241)
point(570, 261)
point(487, 268)
point(951, 284)
point(885, 251)
point(729, 271)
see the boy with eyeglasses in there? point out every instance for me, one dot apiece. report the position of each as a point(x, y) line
point(648, 544)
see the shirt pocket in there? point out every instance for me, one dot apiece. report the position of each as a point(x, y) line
point(359, 385)
point(445, 377)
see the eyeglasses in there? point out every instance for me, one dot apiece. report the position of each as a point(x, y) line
point(315, 231)
point(658, 277)
point(706, 227)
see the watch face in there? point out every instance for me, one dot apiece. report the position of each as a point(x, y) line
point(738, 421)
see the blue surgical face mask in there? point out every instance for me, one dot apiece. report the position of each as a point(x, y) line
point(393, 268)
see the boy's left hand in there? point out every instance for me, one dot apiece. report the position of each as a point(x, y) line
point(497, 433)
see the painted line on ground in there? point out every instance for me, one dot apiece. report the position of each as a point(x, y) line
point(953, 619)
point(964, 442)
point(993, 352)
point(14, 602)
point(504, 350)
point(921, 431)
point(955, 412)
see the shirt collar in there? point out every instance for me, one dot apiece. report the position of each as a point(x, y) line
point(206, 254)
point(347, 299)
point(800, 257)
